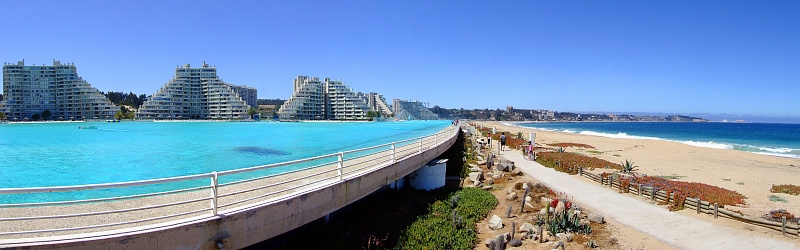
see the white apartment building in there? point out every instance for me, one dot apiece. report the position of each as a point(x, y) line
point(30, 90)
point(313, 99)
point(195, 93)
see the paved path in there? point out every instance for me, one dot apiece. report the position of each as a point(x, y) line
point(672, 228)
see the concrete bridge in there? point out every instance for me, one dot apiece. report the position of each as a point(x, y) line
point(242, 212)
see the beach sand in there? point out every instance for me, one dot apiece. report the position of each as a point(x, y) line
point(747, 173)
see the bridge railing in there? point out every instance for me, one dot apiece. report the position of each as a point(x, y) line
point(175, 200)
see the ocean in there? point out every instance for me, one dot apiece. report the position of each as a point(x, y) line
point(780, 140)
point(61, 154)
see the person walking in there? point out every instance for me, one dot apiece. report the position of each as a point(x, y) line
point(489, 139)
point(502, 141)
point(530, 151)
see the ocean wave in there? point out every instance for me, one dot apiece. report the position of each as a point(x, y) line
point(618, 135)
point(779, 155)
point(756, 149)
point(778, 150)
point(709, 144)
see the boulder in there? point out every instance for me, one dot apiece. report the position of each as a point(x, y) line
point(515, 243)
point(481, 162)
point(528, 198)
point(476, 176)
point(488, 241)
point(525, 186)
point(498, 174)
point(495, 222)
point(565, 237)
point(527, 227)
point(516, 172)
point(510, 190)
point(473, 165)
point(490, 180)
point(543, 211)
point(596, 218)
point(487, 187)
point(529, 205)
point(512, 196)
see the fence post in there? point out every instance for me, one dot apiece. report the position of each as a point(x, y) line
point(341, 164)
point(783, 225)
point(698, 204)
point(653, 194)
point(580, 171)
point(214, 192)
point(716, 208)
point(640, 190)
point(393, 151)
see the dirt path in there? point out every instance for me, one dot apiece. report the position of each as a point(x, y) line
point(672, 228)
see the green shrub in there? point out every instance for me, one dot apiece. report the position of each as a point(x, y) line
point(435, 230)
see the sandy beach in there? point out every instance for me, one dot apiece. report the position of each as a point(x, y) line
point(747, 173)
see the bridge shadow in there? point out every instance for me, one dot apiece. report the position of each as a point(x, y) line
point(374, 222)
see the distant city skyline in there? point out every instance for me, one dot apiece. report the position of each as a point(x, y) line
point(711, 57)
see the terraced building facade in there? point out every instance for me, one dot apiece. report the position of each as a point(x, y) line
point(196, 93)
point(29, 91)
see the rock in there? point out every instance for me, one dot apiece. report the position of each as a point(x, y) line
point(528, 198)
point(558, 244)
point(565, 237)
point(515, 243)
point(473, 165)
point(596, 218)
point(476, 176)
point(481, 162)
point(529, 205)
point(546, 200)
point(516, 172)
point(543, 211)
point(476, 170)
point(525, 186)
point(527, 227)
point(488, 241)
point(512, 196)
point(496, 222)
point(487, 187)
point(477, 184)
point(498, 174)
point(489, 180)
point(560, 208)
point(510, 190)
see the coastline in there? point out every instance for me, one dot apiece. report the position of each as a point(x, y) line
point(748, 173)
point(749, 147)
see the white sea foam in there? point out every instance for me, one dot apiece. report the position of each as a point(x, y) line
point(619, 135)
point(777, 150)
point(779, 155)
point(708, 144)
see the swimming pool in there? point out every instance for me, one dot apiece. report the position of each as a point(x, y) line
point(61, 154)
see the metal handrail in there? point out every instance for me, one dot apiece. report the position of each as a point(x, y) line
point(332, 172)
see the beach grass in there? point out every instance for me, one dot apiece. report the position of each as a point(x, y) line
point(776, 198)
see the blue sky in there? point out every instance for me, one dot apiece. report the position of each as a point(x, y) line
point(733, 57)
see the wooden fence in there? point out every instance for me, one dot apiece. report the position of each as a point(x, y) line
point(660, 196)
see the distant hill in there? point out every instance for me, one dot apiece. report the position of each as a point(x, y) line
point(271, 101)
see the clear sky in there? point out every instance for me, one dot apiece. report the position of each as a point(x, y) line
point(734, 57)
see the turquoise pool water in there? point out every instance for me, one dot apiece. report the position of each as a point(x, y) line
point(60, 154)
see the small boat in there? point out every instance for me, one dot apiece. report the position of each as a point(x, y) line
point(112, 120)
point(88, 127)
